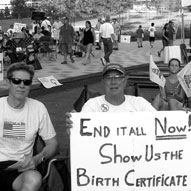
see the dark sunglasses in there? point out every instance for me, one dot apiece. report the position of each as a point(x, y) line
point(18, 81)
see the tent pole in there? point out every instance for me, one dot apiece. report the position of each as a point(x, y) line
point(182, 34)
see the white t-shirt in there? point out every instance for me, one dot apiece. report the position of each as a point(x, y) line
point(45, 24)
point(20, 126)
point(131, 104)
point(106, 30)
point(152, 31)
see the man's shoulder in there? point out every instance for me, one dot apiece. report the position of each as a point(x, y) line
point(35, 103)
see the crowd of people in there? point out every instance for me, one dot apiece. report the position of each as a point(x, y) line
point(67, 39)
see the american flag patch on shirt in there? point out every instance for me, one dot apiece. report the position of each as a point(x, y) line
point(14, 130)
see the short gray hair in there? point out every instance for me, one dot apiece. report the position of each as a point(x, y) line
point(20, 66)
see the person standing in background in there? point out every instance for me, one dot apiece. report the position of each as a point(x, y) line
point(10, 31)
point(171, 33)
point(46, 24)
point(66, 40)
point(140, 35)
point(97, 28)
point(165, 40)
point(88, 37)
point(116, 27)
point(107, 35)
point(152, 31)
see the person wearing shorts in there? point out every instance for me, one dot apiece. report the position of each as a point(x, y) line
point(152, 31)
point(66, 40)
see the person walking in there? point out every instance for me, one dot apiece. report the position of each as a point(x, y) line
point(66, 40)
point(88, 37)
point(116, 27)
point(97, 28)
point(140, 35)
point(165, 39)
point(171, 33)
point(107, 35)
point(152, 31)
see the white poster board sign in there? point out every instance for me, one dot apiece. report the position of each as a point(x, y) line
point(125, 39)
point(1, 66)
point(135, 151)
point(18, 26)
point(49, 81)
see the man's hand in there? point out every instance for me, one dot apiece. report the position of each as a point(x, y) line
point(27, 164)
point(69, 122)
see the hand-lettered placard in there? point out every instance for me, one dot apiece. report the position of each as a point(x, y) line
point(135, 151)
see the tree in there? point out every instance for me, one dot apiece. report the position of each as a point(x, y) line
point(1, 15)
point(7, 12)
point(19, 9)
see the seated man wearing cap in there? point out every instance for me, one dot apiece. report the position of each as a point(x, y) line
point(114, 100)
point(16, 48)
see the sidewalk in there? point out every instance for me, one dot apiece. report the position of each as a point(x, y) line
point(127, 55)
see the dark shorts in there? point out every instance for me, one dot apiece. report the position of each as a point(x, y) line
point(66, 48)
point(151, 39)
point(7, 177)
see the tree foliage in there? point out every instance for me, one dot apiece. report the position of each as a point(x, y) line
point(19, 9)
point(6, 12)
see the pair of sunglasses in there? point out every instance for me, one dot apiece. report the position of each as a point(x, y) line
point(18, 81)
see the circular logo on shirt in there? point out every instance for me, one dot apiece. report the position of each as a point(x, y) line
point(104, 108)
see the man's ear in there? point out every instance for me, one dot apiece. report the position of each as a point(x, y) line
point(7, 82)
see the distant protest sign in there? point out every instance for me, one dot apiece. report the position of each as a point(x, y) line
point(135, 151)
point(18, 26)
point(49, 81)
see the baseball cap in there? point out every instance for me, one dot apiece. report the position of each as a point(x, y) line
point(113, 67)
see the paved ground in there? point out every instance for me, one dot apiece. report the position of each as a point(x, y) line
point(127, 55)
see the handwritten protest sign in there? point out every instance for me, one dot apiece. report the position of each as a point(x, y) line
point(155, 74)
point(49, 81)
point(135, 151)
point(18, 26)
point(1, 66)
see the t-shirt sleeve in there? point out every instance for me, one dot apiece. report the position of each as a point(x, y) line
point(89, 106)
point(145, 105)
point(46, 129)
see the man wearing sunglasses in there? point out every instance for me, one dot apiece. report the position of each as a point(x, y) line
point(21, 118)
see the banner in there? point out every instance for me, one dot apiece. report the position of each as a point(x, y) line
point(125, 38)
point(1, 66)
point(18, 26)
point(184, 77)
point(155, 75)
point(49, 81)
point(186, 3)
point(132, 151)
